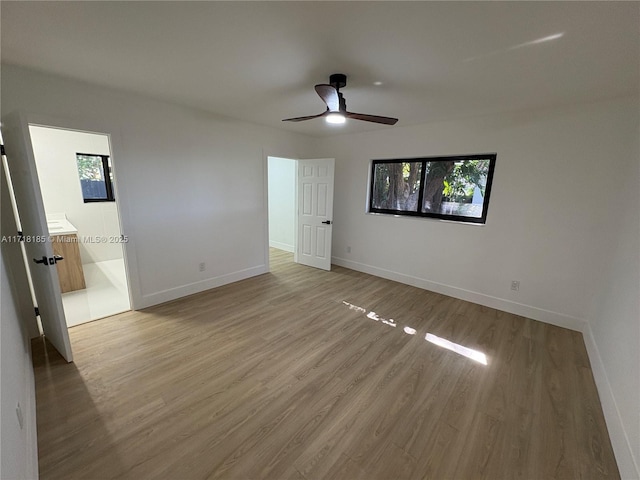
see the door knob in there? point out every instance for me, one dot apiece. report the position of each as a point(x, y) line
point(327, 222)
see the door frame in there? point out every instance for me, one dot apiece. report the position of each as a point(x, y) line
point(126, 224)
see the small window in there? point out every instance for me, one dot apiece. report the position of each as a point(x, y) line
point(96, 179)
point(452, 188)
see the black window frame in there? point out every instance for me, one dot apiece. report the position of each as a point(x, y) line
point(108, 183)
point(424, 160)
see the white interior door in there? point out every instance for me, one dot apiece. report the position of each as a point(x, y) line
point(315, 212)
point(26, 187)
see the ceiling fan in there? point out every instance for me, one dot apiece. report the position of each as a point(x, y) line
point(336, 111)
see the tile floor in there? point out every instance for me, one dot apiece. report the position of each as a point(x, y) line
point(106, 293)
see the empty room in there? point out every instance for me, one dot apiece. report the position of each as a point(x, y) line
point(355, 240)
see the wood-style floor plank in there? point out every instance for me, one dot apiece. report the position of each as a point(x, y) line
point(305, 374)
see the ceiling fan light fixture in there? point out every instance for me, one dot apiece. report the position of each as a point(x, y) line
point(336, 112)
point(335, 118)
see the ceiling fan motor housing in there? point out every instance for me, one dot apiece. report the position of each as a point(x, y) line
point(338, 80)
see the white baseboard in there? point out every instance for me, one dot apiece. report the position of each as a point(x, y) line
point(627, 465)
point(535, 313)
point(197, 287)
point(281, 246)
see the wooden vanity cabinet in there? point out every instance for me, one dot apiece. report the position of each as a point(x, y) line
point(70, 270)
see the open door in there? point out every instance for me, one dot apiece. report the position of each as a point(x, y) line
point(315, 212)
point(42, 262)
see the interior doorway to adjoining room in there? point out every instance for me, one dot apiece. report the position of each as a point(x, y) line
point(282, 203)
point(300, 208)
point(80, 200)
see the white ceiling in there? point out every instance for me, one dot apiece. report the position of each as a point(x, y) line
point(258, 61)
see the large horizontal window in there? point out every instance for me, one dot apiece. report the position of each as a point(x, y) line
point(452, 188)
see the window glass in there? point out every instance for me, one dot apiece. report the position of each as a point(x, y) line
point(396, 186)
point(455, 188)
point(95, 177)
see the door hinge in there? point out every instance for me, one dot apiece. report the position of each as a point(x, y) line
point(37, 311)
point(2, 150)
point(20, 236)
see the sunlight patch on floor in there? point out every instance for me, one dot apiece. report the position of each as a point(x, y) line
point(459, 349)
point(430, 337)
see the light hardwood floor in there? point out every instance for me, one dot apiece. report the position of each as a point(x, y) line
point(276, 377)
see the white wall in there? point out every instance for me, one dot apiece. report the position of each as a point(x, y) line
point(557, 222)
point(18, 446)
point(55, 151)
point(18, 449)
point(191, 185)
point(614, 335)
point(282, 203)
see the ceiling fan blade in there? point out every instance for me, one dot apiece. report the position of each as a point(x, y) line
point(372, 118)
point(329, 95)
point(300, 119)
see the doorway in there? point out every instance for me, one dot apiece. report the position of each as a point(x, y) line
point(300, 208)
point(72, 165)
point(282, 204)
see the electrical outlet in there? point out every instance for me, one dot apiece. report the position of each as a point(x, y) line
point(20, 417)
point(515, 285)
point(349, 249)
point(202, 266)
